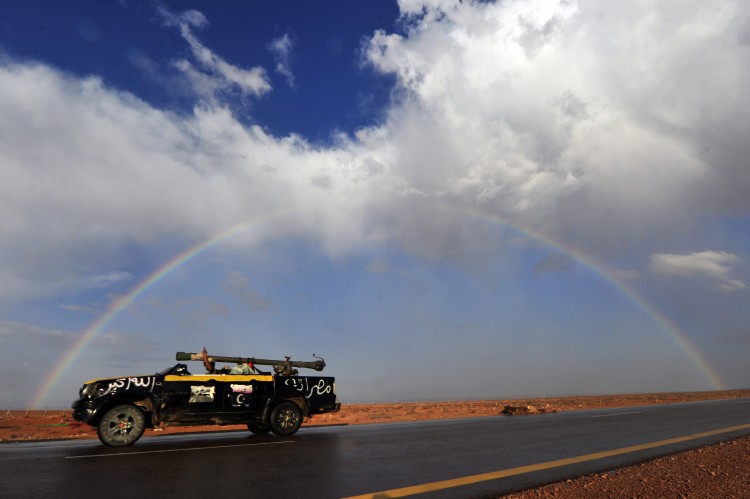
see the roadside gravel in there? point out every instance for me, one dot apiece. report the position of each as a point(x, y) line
point(716, 471)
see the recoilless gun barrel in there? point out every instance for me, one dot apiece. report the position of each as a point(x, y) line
point(284, 367)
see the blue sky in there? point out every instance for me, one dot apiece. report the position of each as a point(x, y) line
point(445, 200)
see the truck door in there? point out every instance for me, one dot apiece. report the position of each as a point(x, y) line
point(191, 398)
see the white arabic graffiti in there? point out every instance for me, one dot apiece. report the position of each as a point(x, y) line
point(321, 387)
point(302, 385)
point(142, 382)
point(296, 383)
point(146, 382)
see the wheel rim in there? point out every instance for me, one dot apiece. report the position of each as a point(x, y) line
point(120, 426)
point(287, 418)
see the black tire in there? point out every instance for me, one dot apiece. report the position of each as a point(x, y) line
point(121, 426)
point(259, 428)
point(286, 418)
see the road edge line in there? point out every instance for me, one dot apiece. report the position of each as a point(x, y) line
point(494, 475)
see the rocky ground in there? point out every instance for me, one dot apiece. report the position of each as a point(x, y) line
point(721, 470)
point(712, 472)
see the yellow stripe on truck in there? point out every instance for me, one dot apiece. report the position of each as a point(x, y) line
point(236, 378)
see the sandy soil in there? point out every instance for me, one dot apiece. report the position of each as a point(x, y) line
point(721, 470)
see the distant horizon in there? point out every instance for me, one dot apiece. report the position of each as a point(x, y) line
point(458, 400)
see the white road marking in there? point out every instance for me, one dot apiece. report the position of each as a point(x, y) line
point(616, 414)
point(177, 450)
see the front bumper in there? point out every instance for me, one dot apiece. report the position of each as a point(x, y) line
point(86, 410)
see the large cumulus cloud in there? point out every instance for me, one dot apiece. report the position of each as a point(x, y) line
point(608, 126)
point(88, 172)
point(574, 117)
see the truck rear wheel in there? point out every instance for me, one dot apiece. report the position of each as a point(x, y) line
point(286, 418)
point(122, 425)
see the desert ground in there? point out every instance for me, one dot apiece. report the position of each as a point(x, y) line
point(721, 470)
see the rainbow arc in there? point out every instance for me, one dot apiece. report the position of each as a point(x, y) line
point(95, 328)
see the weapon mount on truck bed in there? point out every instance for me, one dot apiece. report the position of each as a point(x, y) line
point(282, 367)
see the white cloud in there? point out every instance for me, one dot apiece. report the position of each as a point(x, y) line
point(17, 329)
point(282, 48)
point(218, 75)
point(542, 110)
point(112, 277)
point(732, 285)
point(84, 309)
point(714, 264)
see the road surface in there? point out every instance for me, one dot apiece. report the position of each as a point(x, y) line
point(446, 458)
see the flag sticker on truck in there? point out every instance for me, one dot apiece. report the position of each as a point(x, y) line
point(199, 394)
point(241, 388)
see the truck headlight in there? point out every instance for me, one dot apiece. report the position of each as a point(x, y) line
point(92, 390)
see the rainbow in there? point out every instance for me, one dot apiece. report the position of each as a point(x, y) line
point(117, 305)
point(674, 333)
point(670, 329)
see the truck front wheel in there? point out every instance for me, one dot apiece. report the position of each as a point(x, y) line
point(121, 426)
point(259, 428)
point(286, 418)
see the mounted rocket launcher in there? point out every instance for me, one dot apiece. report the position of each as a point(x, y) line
point(283, 367)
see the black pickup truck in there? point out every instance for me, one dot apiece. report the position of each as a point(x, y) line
point(122, 408)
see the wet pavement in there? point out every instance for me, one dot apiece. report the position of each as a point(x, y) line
point(445, 458)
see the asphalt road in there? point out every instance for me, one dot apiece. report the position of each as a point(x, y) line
point(449, 458)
